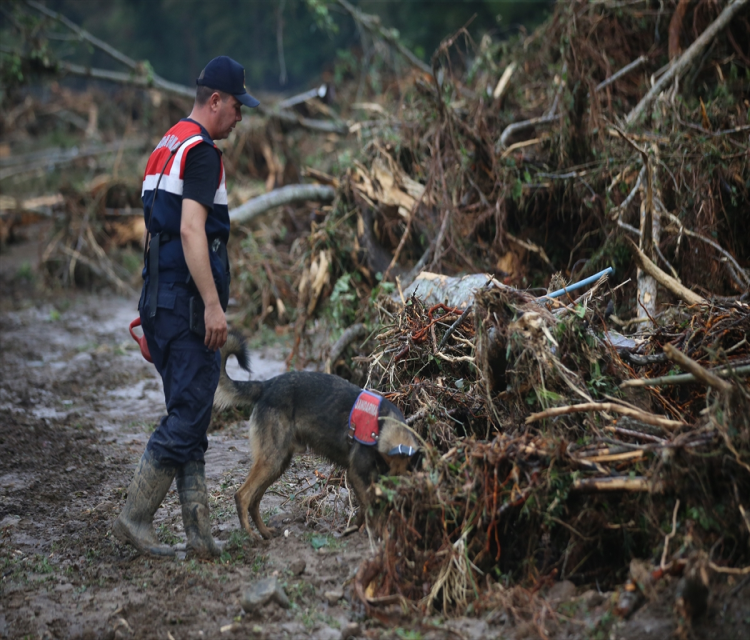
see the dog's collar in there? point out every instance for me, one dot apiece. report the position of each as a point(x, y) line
point(363, 419)
point(402, 450)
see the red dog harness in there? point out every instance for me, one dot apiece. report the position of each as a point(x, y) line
point(363, 419)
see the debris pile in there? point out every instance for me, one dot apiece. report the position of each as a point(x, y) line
point(554, 447)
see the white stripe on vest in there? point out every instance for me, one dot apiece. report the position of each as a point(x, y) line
point(171, 182)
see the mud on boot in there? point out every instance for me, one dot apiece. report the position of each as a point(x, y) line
point(134, 525)
point(191, 487)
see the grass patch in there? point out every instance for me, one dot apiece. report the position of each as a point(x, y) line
point(167, 536)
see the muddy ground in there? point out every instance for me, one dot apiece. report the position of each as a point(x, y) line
point(77, 405)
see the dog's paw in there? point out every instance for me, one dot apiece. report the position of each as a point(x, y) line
point(270, 532)
point(252, 535)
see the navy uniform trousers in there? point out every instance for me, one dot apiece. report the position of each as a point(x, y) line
point(189, 370)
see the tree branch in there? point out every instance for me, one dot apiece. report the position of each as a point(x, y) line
point(686, 59)
point(278, 197)
point(706, 377)
point(611, 407)
point(665, 280)
point(372, 24)
point(625, 70)
point(85, 35)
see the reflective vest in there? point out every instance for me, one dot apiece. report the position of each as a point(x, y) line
point(168, 161)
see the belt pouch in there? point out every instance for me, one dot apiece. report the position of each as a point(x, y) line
point(197, 316)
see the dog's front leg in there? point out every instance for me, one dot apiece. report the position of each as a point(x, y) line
point(360, 491)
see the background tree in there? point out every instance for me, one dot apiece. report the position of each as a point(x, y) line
point(177, 37)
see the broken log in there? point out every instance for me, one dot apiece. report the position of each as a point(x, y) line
point(643, 416)
point(350, 335)
point(457, 292)
point(279, 197)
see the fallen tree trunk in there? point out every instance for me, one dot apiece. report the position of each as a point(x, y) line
point(128, 78)
point(457, 292)
point(323, 126)
point(279, 197)
point(47, 158)
point(351, 334)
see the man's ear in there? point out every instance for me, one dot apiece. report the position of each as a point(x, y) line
point(214, 100)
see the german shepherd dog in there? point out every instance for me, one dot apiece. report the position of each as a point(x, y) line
point(303, 409)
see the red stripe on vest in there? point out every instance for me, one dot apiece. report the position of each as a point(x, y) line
point(171, 140)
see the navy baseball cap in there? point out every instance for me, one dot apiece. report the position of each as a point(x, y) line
point(227, 75)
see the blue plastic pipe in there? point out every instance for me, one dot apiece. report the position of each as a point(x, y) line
point(578, 285)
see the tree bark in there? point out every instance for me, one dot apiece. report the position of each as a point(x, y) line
point(457, 292)
point(279, 197)
point(650, 237)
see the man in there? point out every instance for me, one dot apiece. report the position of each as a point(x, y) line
point(182, 305)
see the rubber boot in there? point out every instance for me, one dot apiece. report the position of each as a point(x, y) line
point(191, 486)
point(134, 525)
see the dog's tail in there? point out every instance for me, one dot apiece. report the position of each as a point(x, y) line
point(236, 393)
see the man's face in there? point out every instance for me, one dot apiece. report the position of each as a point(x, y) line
point(228, 115)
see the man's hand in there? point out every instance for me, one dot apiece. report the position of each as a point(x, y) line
point(216, 327)
point(195, 248)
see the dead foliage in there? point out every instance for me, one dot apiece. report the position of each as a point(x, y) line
point(587, 481)
point(537, 465)
point(539, 179)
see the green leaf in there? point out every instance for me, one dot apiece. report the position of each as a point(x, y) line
point(517, 190)
point(318, 542)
